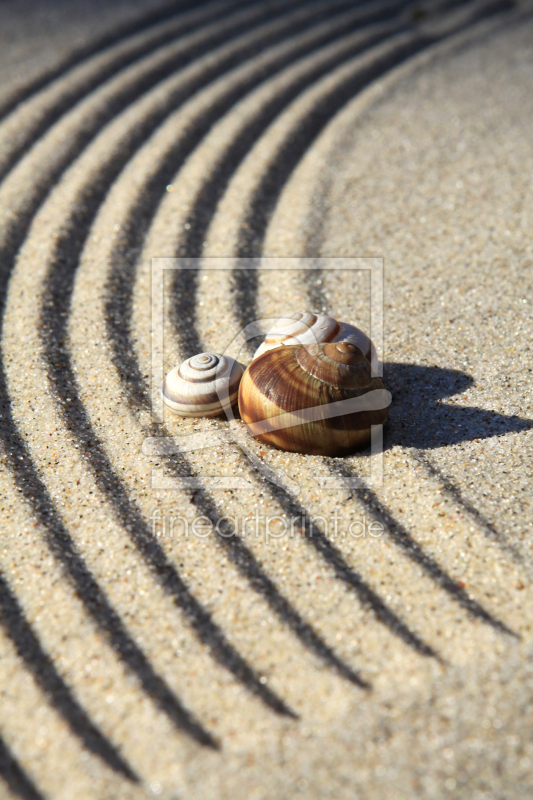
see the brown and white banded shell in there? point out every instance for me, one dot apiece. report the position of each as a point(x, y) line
point(319, 399)
point(203, 386)
point(304, 327)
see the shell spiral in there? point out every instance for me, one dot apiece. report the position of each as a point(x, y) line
point(318, 399)
point(202, 386)
point(304, 327)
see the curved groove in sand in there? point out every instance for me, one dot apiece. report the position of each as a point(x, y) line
point(93, 48)
point(37, 661)
point(33, 117)
point(59, 147)
point(15, 777)
point(64, 383)
point(253, 226)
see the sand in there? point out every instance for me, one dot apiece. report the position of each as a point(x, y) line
point(185, 613)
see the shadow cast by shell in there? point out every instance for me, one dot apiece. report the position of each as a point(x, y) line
point(420, 417)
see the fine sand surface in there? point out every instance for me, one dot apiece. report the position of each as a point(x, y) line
point(187, 614)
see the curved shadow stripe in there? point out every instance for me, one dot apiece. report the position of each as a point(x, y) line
point(14, 776)
point(453, 491)
point(58, 297)
point(87, 589)
point(118, 307)
point(368, 598)
point(125, 510)
point(62, 377)
point(261, 209)
point(402, 539)
point(202, 214)
point(83, 87)
point(123, 97)
point(401, 376)
point(127, 91)
point(19, 630)
point(244, 560)
point(166, 11)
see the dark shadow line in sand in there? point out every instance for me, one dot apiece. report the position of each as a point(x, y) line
point(60, 696)
point(202, 213)
point(191, 247)
point(94, 48)
point(262, 205)
point(414, 387)
point(368, 598)
point(118, 314)
point(125, 95)
point(59, 541)
point(234, 661)
point(253, 233)
point(30, 134)
point(43, 494)
point(88, 590)
point(72, 149)
point(253, 572)
point(399, 535)
point(247, 564)
point(125, 510)
point(236, 551)
point(455, 493)
point(62, 546)
point(317, 218)
point(15, 777)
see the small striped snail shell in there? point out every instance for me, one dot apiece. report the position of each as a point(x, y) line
point(318, 399)
point(203, 386)
point(305, 327)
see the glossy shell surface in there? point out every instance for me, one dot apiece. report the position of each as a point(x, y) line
point(304, 327)
point(314, 399)
point(202, 386)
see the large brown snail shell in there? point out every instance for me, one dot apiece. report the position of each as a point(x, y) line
point(318, 399)
point(304, 327)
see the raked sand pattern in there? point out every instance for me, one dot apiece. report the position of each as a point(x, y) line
point(382, 647)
